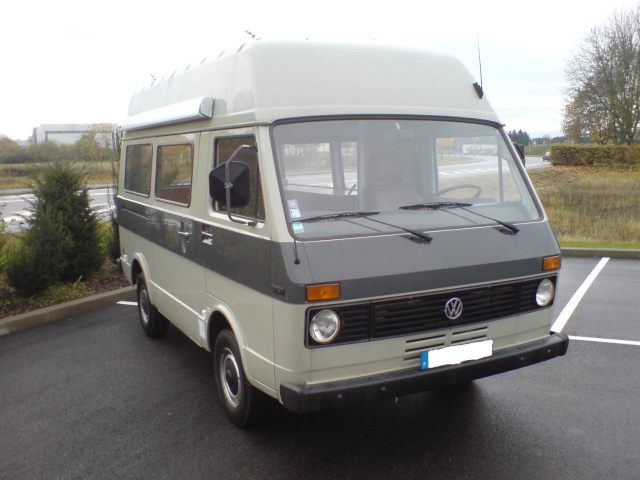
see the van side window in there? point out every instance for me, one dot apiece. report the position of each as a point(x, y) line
point(174, 173)
point(137, 169)
point(224, 149)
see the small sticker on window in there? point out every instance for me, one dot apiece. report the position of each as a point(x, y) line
point(297, 227)
point(294, 210)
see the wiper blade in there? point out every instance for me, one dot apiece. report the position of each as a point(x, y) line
point(435, 205)
point(367, 215)
point(424, 237)
point(445, 205)
point(334, 216)
point(509, 226)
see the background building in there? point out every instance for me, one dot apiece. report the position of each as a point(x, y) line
point(69, 133)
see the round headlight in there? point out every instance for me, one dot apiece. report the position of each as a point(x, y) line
point(545, 293)
point(324, 326)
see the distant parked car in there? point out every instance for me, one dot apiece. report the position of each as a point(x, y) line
point(545, 157)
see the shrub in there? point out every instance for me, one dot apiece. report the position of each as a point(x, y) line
point(61, 194)
point(111, 240)
point(3, 245)
point(595, 155)
point(38, 260)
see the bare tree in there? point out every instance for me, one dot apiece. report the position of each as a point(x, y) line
point(582, 117)
point(604, 82)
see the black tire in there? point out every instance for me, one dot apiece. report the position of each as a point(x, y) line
point(237, 395)
point(152, 322)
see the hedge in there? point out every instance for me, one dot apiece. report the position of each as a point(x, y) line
point(595, 155)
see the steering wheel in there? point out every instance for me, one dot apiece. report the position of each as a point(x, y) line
point(460, 187)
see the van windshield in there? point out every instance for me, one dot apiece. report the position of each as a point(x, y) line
point(336, 174)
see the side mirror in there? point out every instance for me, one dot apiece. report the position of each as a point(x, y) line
point(520, 149)
point(229, 184)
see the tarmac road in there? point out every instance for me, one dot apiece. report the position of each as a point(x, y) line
point(91, 397)
point(14, 206)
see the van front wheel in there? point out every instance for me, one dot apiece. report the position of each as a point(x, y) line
point(237, 395)
point(152, 321)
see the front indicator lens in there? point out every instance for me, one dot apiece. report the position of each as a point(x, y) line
point(324, 326)
point(551, 263)
point(545, 293)
point(327, 291)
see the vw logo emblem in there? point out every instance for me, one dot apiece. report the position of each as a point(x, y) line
point(453, 308)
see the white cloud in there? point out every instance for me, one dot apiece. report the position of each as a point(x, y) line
point(70, 61)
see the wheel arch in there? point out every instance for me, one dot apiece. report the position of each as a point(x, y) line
point(220, 319)
point(217, 322)
point(139, 266)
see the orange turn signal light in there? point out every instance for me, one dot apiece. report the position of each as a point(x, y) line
point(327, 291)
point(551, 263)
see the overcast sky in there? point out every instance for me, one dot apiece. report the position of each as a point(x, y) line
point(69, 61)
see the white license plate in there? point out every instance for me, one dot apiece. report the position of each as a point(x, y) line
point(456, 354)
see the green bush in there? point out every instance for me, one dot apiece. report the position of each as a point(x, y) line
point(111, 240)
point(60, 190)
point(3, 245)
point(39, 259)
point(595, 155)
point(63, 241)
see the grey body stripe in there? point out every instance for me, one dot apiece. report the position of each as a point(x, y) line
point(241, 258)
point(364, 267)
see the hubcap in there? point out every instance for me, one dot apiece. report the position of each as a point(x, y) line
point(230, 378)
point(144, 306)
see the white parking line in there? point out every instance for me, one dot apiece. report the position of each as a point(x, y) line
point(605, 340)
point(568, 310)
point(123, 302)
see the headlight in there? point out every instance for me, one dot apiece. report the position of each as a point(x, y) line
point(545, 292)
point(324, 326)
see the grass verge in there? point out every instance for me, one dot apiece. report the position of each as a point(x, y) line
point(590, 207)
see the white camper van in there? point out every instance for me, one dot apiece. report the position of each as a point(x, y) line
point(336, 223)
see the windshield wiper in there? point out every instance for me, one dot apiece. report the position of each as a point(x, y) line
point(367, 215)
point(435, 206)
point(444, 205)
point(421, 235)
point(509, 226)
point(334, 216)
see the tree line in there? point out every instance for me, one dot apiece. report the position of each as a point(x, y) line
point(93, 146)
point(523, 138)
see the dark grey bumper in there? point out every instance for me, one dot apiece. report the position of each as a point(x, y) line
point(310, 398)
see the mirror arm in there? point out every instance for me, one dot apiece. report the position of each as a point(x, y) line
point(228, 185)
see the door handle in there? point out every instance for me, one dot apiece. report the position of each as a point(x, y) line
point(207, 237)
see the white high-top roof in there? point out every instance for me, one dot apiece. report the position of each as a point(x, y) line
point(263, 81)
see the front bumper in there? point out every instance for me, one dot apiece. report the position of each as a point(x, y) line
point(310, 398)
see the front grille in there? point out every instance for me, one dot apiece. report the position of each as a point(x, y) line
point(428, 341)
point(411, 315)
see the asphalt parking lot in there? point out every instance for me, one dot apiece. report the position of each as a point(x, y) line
point(91, 397)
